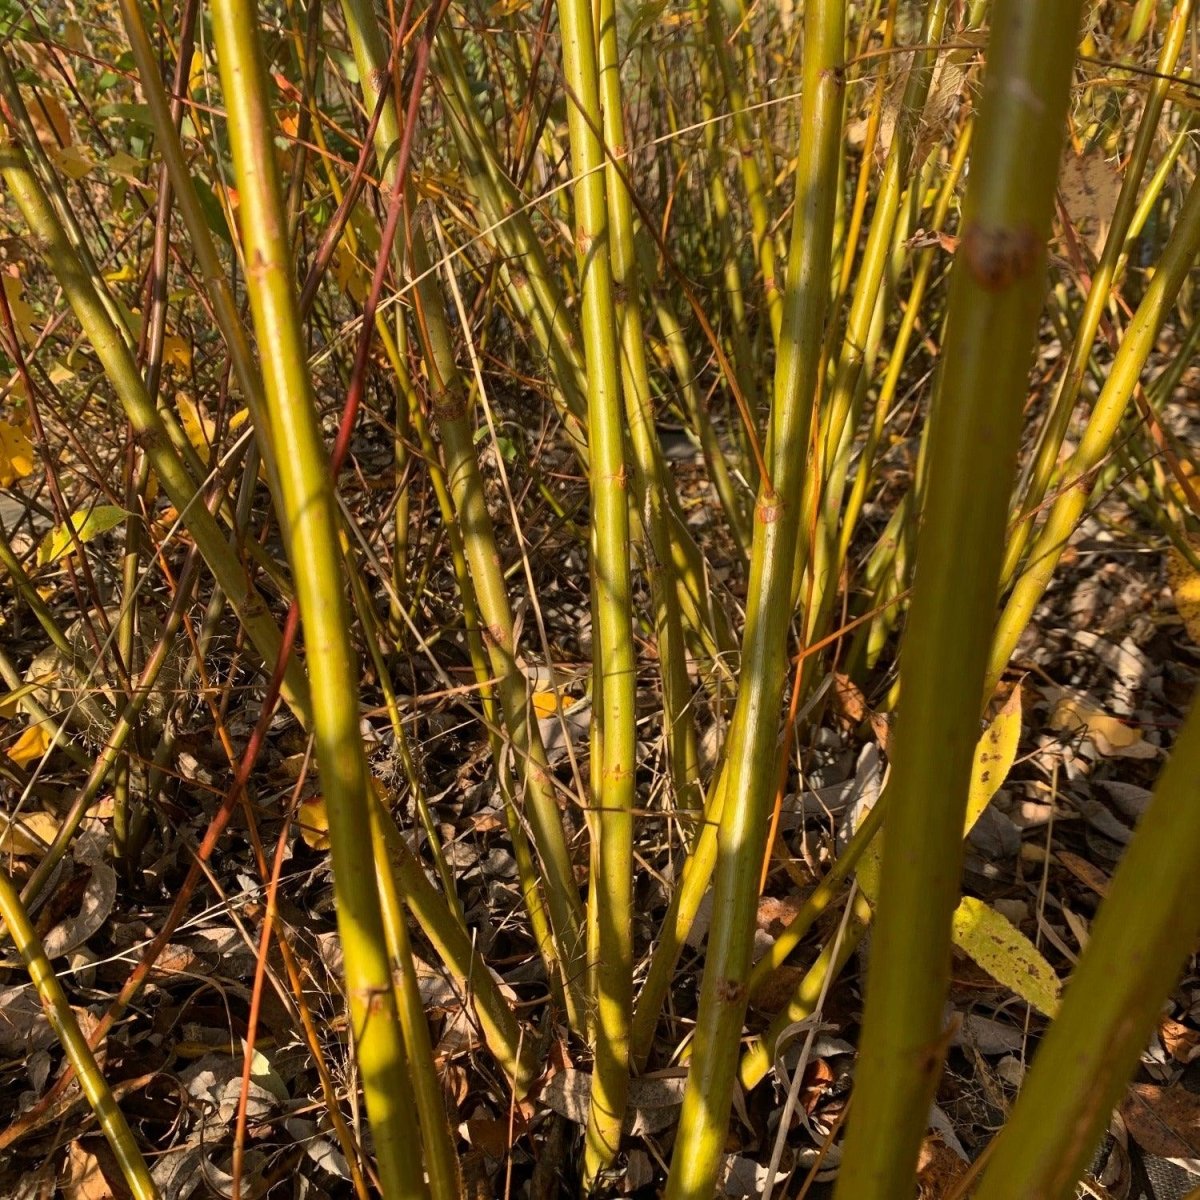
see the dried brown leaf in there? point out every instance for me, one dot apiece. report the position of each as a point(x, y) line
point(1163, 1120)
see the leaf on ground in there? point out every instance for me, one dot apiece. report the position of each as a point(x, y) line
point(1164, 1121)
point(1185, 587)
point(939, 1169)
point(1180, 1041)
point(23, 1024)
point(88, 524)
point(994, 756)
point(545, 704)
point(1112, 738)
point(33, 743)
point(848, 701)
point(95, 907)
point(16, 454)
point(1087, 873)
point(30, 835)
point(85, 1178)
point(1006, 954)
point(654, 1100)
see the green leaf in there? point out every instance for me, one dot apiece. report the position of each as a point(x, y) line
point(133, 114)
point(214, 214)
point(87, 524)
point(1006, 954)
point(644, 19)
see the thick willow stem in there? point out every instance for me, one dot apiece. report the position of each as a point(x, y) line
point(996, 296)
point(749, 788)
point(306, 500)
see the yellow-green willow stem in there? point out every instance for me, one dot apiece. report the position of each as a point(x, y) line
point(364, 610)
point(212, 270)
point(677, 923)
point(466, 965)
point(723, 221)
point(441, 1161)
point(731, 495)
point(536, 294)
point(749, 144)
point(614, 682)
point(115, 741)
point(753, 740)
point(307, 499)
point(996, 295)
point(650, 479)
point(1178, 260)
point(1152, 196)
point(508, 772)
point(869, 279)
point(123, 374)
point(1099, 293)
point(66, 1028)
point(65, 216)
point(898, 356)
point(867, 164)
point(818, 902)
point(449, 403)
point(760, 1054)
point(1145, 929)
point(525, 268)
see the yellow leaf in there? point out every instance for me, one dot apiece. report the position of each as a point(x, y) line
point(74, 37)
point(23, 316)
point(1110, 737)
point(177, 352)
point(15, 390)
point(1185, 587)
point(350, 276)
point(72, 161)
point(123, 164)
point(994, 755)
point(1006, 954)
point(126, 168)
point(197, 424)
point(16, 454)
point(314, 823)
point(88, 524)
point(198, 75)
point(10, 702)
point(31, 835)
point(50, 121)
point(33, 743)
point(545, 704)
